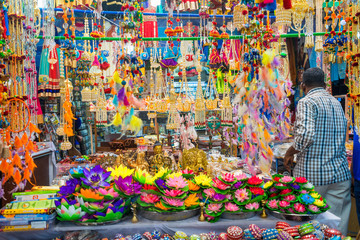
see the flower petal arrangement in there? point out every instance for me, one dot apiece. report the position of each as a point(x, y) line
point(96, 195)
point(294, 195)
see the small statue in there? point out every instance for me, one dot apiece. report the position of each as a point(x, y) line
point(141, 162)
point(159, 159)
point(194, 159)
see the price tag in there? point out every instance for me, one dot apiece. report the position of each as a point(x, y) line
point(38, 224)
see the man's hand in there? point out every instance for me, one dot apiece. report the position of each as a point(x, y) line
point(289, 158)
point(288, 162)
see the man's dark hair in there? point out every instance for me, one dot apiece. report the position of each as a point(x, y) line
point(314, 77)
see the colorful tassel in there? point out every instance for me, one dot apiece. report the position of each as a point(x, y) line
point(24, 139)
point(16, 161)
point(17, 177)
point(33, 128)
point(17, 143)
point(126, 102)
point(117, 120)
point(121, 95)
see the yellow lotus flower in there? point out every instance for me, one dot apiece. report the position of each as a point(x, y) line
point(319, 203)
point(174, 174)
point(160, 173)
point(268, 184)
point(120, 171)
point(161, 206)
point(191, 200)
point(143, 177)
point(315, 195)
point(193, 186)
point(203, 180)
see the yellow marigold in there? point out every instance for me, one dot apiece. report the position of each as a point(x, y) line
point(193, 186)
point(191, 200)
point(161, 206)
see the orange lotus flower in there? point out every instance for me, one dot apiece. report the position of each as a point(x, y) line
point(192, 200)
point(89, 194)
point(161, 206)
point(193, 186)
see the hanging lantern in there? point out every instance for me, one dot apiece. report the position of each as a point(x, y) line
point(86, 95)
point(200, 123)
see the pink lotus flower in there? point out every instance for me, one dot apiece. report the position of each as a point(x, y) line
point(176, 182)
point(299, 207)
point(231, 207)
point(209, 192)
point(149, 197)
point(290, 198)
point(229, 197)
point(241, 195)
point(173, 202)
point(284, 204)
point(214, 207)
point(313, 208)
point(187, 171)
point(241, 177)
point(287, 179)
point(252, 206)
point(273, 204)
point(227, 177)
point(173, 192)
point(110, 192)
point(219, 184)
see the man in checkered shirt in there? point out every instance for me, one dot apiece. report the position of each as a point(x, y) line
point(320, 133)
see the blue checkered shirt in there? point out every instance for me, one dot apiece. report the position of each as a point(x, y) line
point(320, 134)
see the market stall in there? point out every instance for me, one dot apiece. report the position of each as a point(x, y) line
point(174, 117)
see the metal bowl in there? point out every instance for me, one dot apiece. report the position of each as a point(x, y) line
point(169, 216)
point(102, 223)
point(293, 217)
point(239, 215)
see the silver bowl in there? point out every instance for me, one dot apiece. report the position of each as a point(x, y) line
point(169, 216)
point(102, 223)
point(293, 216)
point(239, 215)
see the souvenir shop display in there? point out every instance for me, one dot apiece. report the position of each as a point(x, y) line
point(163, 112)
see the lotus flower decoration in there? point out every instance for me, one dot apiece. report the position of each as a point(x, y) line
point(173, 202)
point(231, 207)
point(214, 207)
point(120, 171)
point(220, 185)
point(173, 192)
point(127, 186)
point(242, 195)
point(108, 193)
point(192, 200)
point(67, 212)
point(203, 180)
point(177, 182)
point(252, 206)
point(228, 177)
point(96, 177)
point(149, 198)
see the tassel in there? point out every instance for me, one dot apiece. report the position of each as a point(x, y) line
point(33, 128)
point(18, 144)
point(115, 101)
point(24, 139)
point(121, 94)
point(135, 124)
point(16, 161)
point(117, 120)
point(96, 62)
point(17, 177)
point(30, 146)
point(7, 136)
point(136, 102)
point(113, 91)
point(287, 4)
point(126, 102)
point(4, 166)
point(116, 77)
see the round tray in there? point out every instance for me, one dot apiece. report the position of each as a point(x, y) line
point(102, 223)
point(169, 216)
point(239, 215)
point(293, 217)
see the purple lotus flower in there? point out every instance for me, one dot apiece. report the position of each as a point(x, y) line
point(87, 217)
point(161, 183)
point(66, 190)
point(295, 186)
point(70, 202)
point(219, 197)
point(128, 186)
point(237, 185)
point(96, 177)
